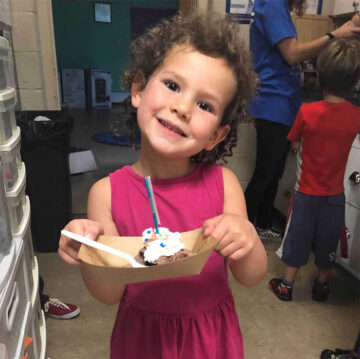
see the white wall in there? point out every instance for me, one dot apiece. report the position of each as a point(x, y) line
point(34, 52)
point(335, 7)
point(344, 6)
point(328, 7)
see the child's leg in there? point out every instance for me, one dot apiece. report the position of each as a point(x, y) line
point(321, 288)
point(327, 236)
point(324, 275)
point(296, 245)
point(290, 273)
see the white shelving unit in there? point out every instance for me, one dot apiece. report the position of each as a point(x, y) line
point(22, 322)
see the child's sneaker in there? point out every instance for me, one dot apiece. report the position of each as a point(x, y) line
point(56, 309)
point(338, 354)
point(320, 292)
point(282, 291)
point(268, 234)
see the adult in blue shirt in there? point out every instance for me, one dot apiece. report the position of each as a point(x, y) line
point(276, 53)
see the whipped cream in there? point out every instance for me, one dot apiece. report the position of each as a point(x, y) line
point(164, 243)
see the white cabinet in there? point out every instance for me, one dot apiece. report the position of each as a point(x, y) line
point(352, 211)
point(352, 190)
point(242, 162)
point(286, 185)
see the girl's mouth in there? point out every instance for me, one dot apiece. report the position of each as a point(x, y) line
point(172, 128)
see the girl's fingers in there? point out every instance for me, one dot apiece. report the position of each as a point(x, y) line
point(68, 248)
point(73, 249)
point(221, 230)
point(223, 242)
point(93, 230)
point(230, 249)
point(238, 254)
point(67, 258)
point(210, 224)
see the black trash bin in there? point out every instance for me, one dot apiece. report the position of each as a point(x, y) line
point(45, 146)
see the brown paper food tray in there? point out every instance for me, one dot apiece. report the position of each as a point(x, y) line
point(112, 270)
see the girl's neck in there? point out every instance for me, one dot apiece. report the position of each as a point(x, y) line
point(328, 97)
point(159, 167)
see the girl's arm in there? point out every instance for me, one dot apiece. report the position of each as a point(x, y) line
point(238, 240)
point(251, 268)
point(99, 210)
point(294, 51)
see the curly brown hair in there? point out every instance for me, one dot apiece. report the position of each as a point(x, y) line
point(213, 36)
point(338, 66)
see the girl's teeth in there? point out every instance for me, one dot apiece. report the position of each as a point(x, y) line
point(170, 128)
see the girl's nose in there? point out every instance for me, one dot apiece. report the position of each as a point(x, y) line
point(182, 108)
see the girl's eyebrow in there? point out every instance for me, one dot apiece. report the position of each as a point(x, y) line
point(203, 93)
point(173, 73)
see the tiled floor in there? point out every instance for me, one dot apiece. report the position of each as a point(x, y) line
point(272, 329)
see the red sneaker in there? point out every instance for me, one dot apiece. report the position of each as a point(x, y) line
point(320, 293)
point(282, 292)
point(56, 309)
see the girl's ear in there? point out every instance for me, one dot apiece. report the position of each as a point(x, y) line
point(218, 136)
point(136, 92)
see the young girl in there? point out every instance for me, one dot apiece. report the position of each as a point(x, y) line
point(190, 78)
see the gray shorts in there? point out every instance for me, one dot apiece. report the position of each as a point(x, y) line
point(314, 223)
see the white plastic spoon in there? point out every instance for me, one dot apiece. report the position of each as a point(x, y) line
point(102, 247)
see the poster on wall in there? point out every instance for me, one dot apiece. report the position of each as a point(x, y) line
point(241, 6)
point(240, 10)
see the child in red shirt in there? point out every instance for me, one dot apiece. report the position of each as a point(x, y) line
point(323, 133)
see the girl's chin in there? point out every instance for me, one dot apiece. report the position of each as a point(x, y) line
point(170, 149)
point(172, 155)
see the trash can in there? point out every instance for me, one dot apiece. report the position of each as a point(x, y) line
point(45, 147)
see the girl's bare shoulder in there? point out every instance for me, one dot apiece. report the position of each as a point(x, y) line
point(101, 188)
point(229, 177)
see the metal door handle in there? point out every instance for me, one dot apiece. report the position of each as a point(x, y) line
point(355, 177)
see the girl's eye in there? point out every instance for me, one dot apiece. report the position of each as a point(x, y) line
point(172, 86)
point(205, 106)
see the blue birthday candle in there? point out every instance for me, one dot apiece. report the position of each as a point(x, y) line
point(154, 211)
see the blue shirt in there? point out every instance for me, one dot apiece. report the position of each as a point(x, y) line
point(279, 97)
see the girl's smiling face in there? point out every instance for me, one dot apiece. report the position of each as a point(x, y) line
point(181, 106)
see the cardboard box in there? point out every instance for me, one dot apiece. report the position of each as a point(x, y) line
point(113, 270)
point(73, 88)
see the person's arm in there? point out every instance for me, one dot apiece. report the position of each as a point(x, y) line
point(99, 210)
point(238, 240)
point(294, 51)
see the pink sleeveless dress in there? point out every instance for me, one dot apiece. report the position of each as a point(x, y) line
point(183, 318)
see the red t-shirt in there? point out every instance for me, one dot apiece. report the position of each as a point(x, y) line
point(326, 132)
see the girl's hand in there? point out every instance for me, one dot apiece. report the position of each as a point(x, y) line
point(68, 248)
point(235, 234)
